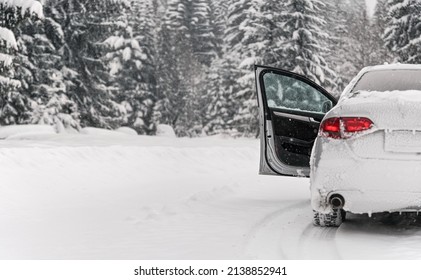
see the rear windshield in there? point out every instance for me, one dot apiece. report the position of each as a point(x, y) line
point(388, 80)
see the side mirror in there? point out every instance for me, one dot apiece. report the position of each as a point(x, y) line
point(326, 106)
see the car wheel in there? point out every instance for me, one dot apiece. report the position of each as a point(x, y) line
point(332, 219)
point(343, 214)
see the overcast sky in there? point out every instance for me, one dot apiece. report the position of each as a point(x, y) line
point(370, 6)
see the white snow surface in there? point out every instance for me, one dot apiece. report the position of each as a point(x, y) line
point(99, 196)
point(126, 130)
point(16, 131)
point(164, 130)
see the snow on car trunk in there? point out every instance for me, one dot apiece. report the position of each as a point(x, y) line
point(396, 132)
point(388, 110)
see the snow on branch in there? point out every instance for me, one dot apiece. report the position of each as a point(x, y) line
point(5, 81)
point(8, 36)
point(115, 42)
point(31, 6)
point(6, 60)
point(124, 2)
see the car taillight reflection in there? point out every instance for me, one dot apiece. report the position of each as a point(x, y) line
point(345, 127)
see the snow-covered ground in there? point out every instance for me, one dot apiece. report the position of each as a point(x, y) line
point(118, 196)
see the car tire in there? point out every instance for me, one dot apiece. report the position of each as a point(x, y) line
point(332, 219)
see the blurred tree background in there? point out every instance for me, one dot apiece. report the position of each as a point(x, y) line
point(184, 63)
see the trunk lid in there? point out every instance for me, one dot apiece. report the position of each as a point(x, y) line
point(397, 123)
point(392, 110)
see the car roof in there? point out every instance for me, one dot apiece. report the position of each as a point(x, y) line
point(395, 66)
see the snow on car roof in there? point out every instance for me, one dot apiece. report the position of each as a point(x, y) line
point(396, 66)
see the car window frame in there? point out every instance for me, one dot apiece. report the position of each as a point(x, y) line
point(297, 77)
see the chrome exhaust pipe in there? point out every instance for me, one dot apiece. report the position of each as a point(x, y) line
point(337, 201)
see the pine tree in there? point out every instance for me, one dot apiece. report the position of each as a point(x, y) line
point(221, 107)
point(86, 24)
point(336, 13)
point(243, 51)
point(132, 66)
point(15, 107)
point(403, 32)
point(363, 47)
point(39, 70)
point(203, 32)
point(219, 18)
point(187, 46)
point(352, 43)
point(307, 41)
point(179, 76)
point(380, 19)
point(192, 20)
point(254, 35)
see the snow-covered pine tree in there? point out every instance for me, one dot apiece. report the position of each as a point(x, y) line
point(179, 77)
point(363, 48)
point(39, 71)
point(306, 40)
point(14, 106)
point(86, 24)
point(192, 19)
point(272, 34)
point(381, 15)
point(131, 59)
point(380, 19)
point(186, 48)
point(245, 48)
point(403, 32)
point(218, 16)
point(336, 14)
point(204, 40)
point(254, 35)
point(170, 100)
point(221, 107)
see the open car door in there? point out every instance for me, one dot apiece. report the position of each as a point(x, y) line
point(291, 108)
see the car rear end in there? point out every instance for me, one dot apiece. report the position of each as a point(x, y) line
point(367, 157)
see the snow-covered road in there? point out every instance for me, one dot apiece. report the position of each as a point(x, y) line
point(129, 197)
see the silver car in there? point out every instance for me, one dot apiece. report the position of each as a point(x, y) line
point(362, 151)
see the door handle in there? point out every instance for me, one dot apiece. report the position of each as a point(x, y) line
point(313, 120)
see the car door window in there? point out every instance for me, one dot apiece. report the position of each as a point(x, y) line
point(283, 92)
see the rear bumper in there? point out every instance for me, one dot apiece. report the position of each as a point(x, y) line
point(381, 201)
point(367, 185)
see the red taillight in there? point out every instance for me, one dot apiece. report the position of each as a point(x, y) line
point(331, 128)
point(356, 124)
point(344, 127)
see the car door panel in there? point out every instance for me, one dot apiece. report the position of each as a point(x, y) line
point(290, 111)
point(294, 137)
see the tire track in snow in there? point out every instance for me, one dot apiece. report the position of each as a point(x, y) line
point(318, 243)
point(264, 239)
